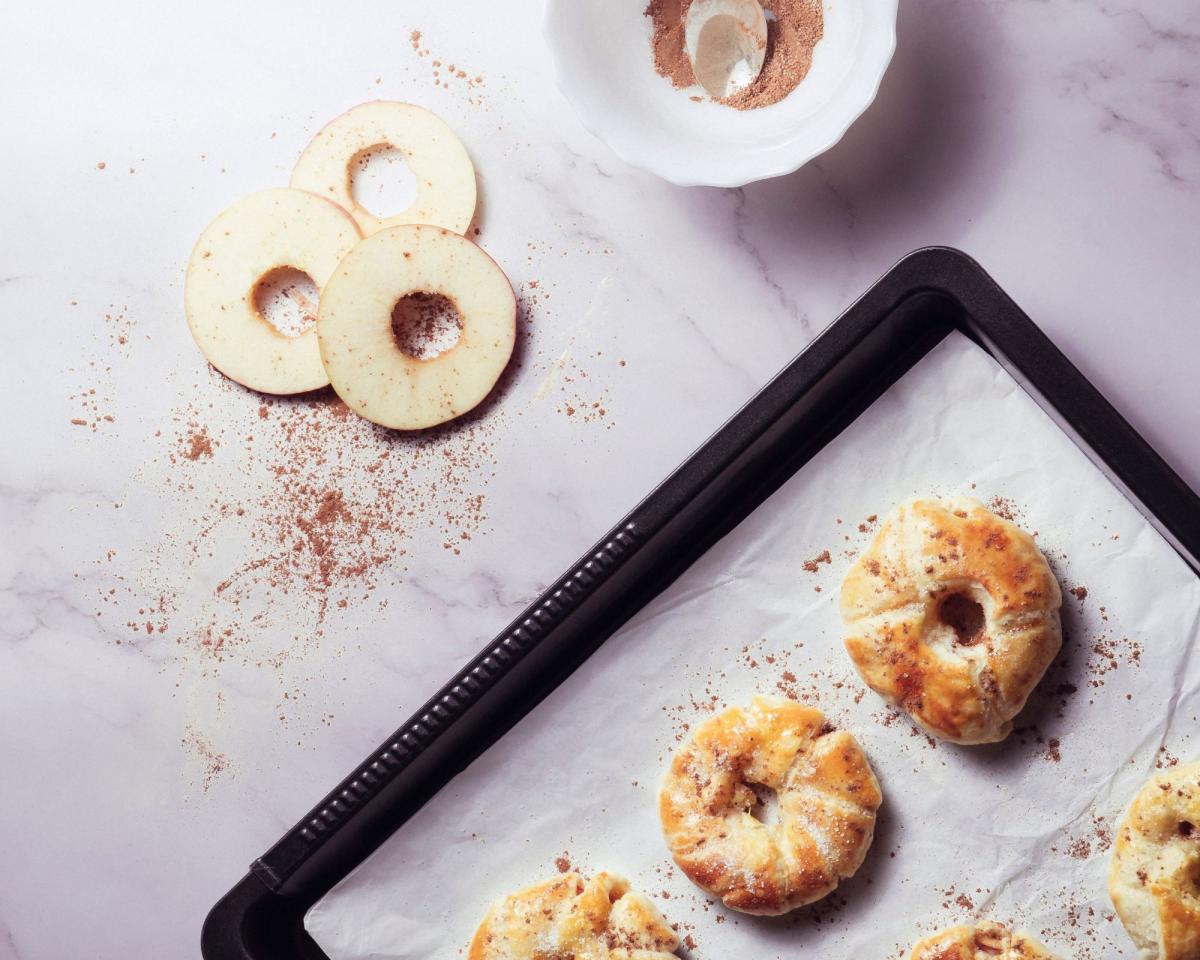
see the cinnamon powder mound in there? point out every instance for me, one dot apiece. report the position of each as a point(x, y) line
point(793, 29)
point(666, 42)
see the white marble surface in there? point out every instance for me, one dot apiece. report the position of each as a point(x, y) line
point(1059, 143)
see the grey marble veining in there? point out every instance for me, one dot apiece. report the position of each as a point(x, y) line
point(1058, 143)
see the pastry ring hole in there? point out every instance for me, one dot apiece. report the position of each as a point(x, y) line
point(964, 615)
point(426, 325)
point(287, 299)
point(765, 808)
point(1189, 832)
point(381, 181)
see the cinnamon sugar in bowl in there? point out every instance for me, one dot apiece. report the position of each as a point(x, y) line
point(608, 62)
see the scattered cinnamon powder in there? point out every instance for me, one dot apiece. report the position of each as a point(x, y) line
point(1165, 759)
point(96, 402)
point(212, 763)
point(1107, 654)
point(317, 514)
point(198, 444)
point(584, 397)
point(793, 31)
point(812, 565)
point(1003, 507)
point(443, 73)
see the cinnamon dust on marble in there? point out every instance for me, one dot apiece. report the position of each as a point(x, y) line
point(198, 444)
point(793, 29)
point(323, 516)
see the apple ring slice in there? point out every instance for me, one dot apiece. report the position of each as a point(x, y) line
point(254, 238)
point(438, 160)
point(365, 363)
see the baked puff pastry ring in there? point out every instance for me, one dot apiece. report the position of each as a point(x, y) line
point(952, 614)
point(713, 795)
point(570, 917)
point(1155, 877)
point(983, 941)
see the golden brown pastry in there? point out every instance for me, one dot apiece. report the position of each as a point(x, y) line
point(952, 614)
point(597, 919)
point(826, 793)
point(983, 941)
point(1154, 880)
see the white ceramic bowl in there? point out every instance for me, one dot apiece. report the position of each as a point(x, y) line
point(602, 62)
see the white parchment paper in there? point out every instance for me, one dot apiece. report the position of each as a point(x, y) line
point(1017, 831)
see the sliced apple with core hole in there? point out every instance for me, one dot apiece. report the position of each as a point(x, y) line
point(245, 247)
point(445, 177)
point(366, 364)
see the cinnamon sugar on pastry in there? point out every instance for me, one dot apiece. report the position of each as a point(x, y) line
point(793, 29)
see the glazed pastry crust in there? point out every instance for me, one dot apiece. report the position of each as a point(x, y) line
point(597, 919)
point(1154, 880)
point(985, 940)
point(930, 559)
point(827, 797)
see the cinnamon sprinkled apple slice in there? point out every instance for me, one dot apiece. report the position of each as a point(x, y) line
point(445, 176)
point(391, 384)
point(243, 249)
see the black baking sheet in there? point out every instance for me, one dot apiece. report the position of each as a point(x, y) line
point(924, 298)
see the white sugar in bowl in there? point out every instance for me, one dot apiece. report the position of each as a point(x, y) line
point(603, 64)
